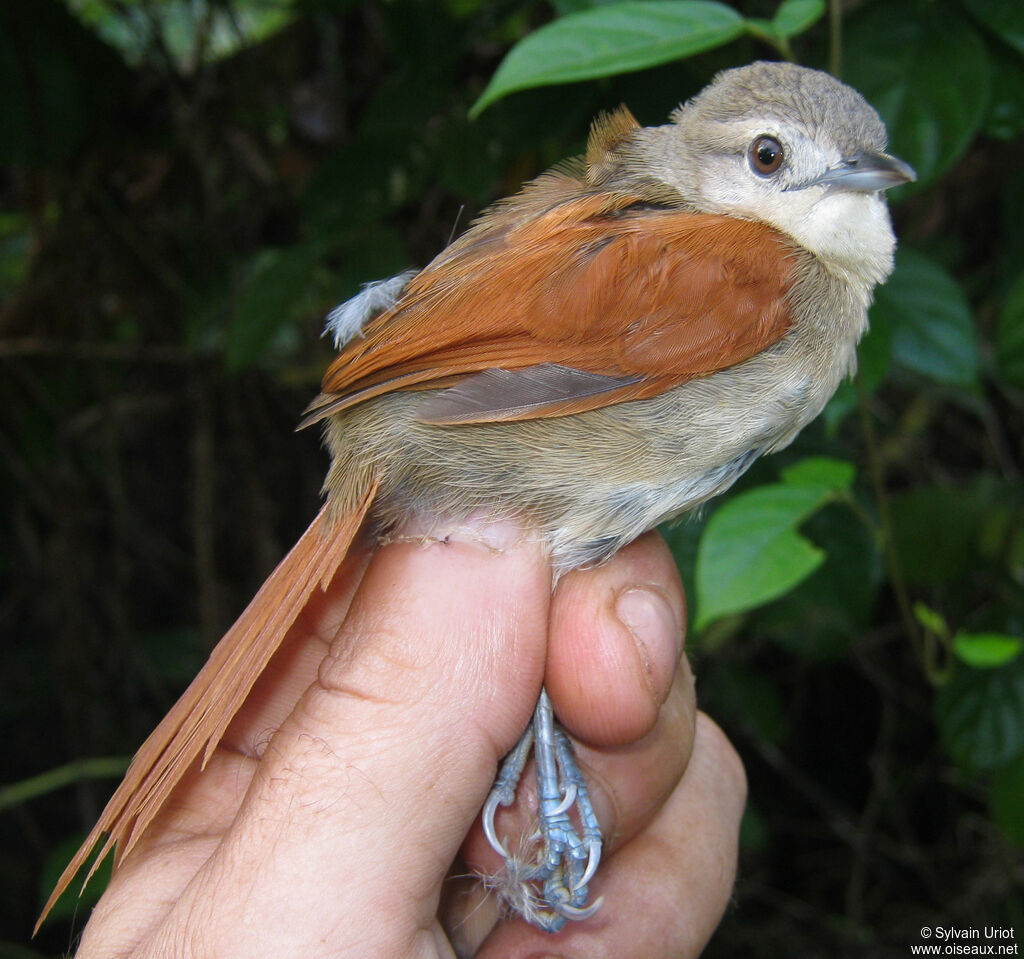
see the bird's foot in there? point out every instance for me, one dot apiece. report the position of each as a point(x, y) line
point(546, 880)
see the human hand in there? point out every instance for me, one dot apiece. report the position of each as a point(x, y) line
point(342, 805)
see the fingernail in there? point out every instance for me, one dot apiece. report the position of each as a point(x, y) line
point(655, 627)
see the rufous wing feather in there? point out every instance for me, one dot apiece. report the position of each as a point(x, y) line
point(620, 297)
point(198, 720)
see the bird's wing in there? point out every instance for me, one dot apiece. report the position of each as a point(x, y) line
point(600, 297)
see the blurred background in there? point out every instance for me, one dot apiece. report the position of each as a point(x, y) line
point(188, 186)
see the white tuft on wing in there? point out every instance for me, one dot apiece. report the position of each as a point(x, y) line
point(347, 320)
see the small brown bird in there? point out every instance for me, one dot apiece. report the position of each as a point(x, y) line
point(608, 348)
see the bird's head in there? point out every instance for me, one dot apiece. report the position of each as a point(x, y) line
point(789, 146)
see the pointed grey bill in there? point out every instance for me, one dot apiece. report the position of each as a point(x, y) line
point(867, 172)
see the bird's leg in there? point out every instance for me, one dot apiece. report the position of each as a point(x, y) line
point(554, 888)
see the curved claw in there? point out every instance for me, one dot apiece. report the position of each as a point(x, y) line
point(567, 802)
point(593, 861)
point(487, 818)
point(546, 881)
point(578, 912)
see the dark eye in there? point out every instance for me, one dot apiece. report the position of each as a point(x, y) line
point(766, 155)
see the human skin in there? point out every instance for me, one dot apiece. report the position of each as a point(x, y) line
point(339, 815)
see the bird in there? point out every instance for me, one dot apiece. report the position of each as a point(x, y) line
point(600, 353)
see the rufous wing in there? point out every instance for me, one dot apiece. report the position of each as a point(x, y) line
point(601, 297)
point(198, 720)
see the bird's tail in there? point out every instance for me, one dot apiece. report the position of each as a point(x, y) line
point(198, 720)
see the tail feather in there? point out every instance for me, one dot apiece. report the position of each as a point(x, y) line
point(198, 720)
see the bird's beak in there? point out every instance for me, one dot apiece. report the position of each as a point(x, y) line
point(867, 172)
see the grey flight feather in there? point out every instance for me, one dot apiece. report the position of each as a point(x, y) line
point(507, 394)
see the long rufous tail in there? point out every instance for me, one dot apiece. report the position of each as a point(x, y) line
point(199, 718)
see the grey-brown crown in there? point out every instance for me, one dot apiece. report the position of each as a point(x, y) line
point(792, 94)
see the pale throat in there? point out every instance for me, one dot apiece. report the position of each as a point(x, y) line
point(850, 232)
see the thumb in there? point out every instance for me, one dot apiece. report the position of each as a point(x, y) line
point(367, 790)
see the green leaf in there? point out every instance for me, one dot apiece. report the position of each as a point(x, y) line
point(795, 16)
point(928, 76)
point(980, 715)
point(819, 618)
point(823, 471)
point(1005, 18)
point(611, 39)
point(1010, 336)
point(931, 619)
point(986, 650)
point(929, 321)
point(1007, 788)
point(751, 553)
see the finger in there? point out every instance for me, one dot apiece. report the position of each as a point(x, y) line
point(666, 890)
point(293, 668)
point(616, 639)
point(369, 786)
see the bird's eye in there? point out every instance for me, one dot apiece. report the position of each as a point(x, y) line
point(766, 155)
